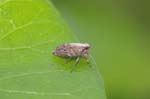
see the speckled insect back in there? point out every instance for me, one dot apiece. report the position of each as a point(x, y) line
point(72, 50)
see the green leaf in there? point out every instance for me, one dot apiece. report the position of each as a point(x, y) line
point(29, 31)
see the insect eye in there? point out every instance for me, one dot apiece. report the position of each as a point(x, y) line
point(64, 49)
point(86, 48)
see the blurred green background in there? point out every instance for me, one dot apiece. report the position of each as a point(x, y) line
point(118, 31)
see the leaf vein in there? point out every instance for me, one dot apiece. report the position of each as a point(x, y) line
point(20, 27)
point(28, 74)
point(35, 92)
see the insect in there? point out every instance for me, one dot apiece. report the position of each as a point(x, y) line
point(72, 50)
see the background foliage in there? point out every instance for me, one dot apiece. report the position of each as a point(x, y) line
point(118, 31)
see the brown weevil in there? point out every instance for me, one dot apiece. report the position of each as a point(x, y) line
point(72, 50)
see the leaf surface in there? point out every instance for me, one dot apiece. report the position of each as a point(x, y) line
point(29, 31)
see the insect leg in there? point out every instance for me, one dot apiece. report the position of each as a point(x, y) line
point(76, 62)
point(68, 60)
point(88, 62)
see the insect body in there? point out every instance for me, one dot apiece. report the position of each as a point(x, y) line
point(72, 50)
